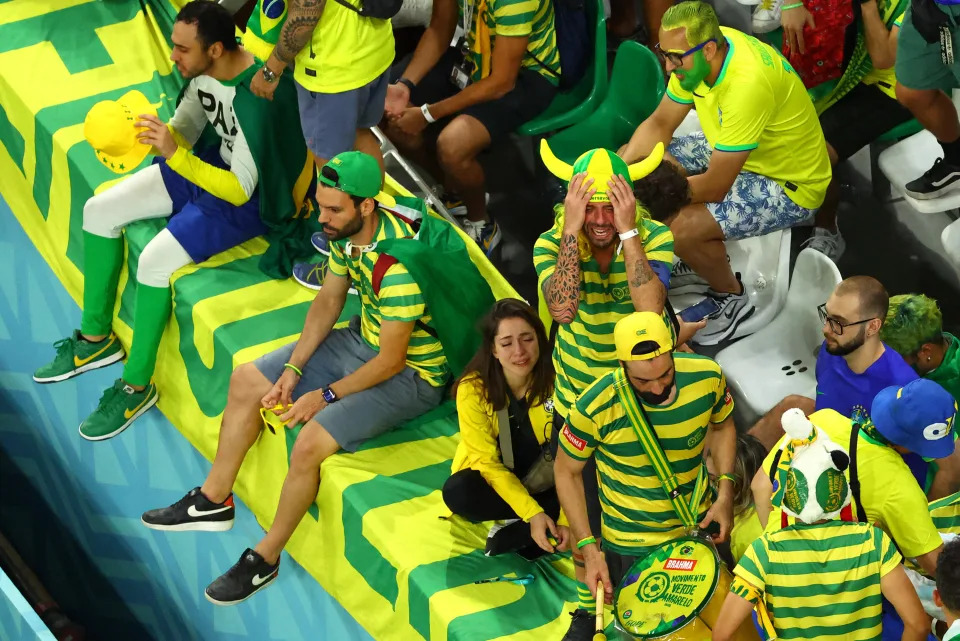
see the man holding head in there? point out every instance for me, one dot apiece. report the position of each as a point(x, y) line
point(759, 165)
point(654, 395)
point(344, 385)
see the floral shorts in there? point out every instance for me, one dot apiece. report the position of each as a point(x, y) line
point(755, 204)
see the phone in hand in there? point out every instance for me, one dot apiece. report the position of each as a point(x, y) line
point(701, 310)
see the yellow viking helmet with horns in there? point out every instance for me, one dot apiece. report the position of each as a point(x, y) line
point(601, 165)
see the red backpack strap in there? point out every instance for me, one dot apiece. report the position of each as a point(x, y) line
point(384, 262)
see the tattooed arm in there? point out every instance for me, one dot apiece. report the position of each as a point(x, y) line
point(562, 289)
point(302, 18)
point(646, 290)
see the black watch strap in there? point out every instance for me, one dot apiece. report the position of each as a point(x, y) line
point(408, 83)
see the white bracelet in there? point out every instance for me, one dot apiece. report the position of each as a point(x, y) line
point(425, 110)
point(629, 234)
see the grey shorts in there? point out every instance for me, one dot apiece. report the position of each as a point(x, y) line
point(364, 415)
point(330, 120)
point(919, 65)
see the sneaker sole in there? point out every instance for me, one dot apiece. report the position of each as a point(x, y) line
point(325, 252)
point(316, 288)
point(198, 526)
point(226, 603)
point(139, 413)
point(932, 195)
point(103, 362)
point(714, 339)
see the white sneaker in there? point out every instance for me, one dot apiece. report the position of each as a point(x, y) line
point(683, 280)
point(485, 233)
point(723, 324)
point(766, 17)
point(830, 244)
point(413, 13)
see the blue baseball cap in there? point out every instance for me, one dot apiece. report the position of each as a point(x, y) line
point(918, 416)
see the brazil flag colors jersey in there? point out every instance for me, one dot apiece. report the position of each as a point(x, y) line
point(759, 104)
point(637, 514)
point(820, 582)
point(264, 26)
point(584, 348)
point(399, 299)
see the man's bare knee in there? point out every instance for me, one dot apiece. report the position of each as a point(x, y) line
point(916, 99)
point(461, 140)
point(313, 446)
point(248, 382)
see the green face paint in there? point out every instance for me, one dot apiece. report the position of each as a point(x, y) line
point(693, 77)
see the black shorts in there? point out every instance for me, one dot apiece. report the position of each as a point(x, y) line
point(859, 118)
point(530, 95)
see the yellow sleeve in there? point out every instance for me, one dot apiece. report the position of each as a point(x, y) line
point(479, 436)
point(545, 252)
point(678, 93)
point(752, 567)
point(889, 557)
point(337, 263)
point(904, 512)
point(744, 117)
point(220, 182)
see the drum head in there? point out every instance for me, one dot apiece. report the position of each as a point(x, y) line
point(665, 590)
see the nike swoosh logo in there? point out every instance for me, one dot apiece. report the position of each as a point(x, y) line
point(194, 512)
point(80, 362)
point(258, 580)
point(129, 413)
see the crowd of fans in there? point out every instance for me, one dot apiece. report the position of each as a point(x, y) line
point(592, 427)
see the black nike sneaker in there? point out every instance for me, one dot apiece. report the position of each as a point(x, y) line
point(193, 512)
point(582, 626)
point(247, 577)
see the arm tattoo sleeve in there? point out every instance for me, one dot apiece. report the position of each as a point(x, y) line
point(563, 287)
point(302, 18)
point(646, 290)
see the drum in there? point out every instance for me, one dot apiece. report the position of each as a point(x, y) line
point(675, 594)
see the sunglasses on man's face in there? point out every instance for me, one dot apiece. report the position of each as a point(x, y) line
point(676, 57)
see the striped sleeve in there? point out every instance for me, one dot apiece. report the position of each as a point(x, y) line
point(514, 17)
point(658, 246)
point(678, 93)
point(723, 405)
point(337, 263)
point(753, 564)
point(899, 21)
point(400, 296)
point(889, 556)
point(580, 435)
point(745, 591)
point(545, 252)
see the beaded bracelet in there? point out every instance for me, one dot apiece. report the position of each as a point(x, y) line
point(584, 542)
point(294, 368)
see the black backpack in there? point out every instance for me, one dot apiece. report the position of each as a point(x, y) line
point(574, 42)
point(379, 9)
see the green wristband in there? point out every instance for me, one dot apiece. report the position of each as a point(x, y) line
point(294, 368)
point(584, 542)
point(795, 5)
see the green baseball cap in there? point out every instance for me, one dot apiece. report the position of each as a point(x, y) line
point(357, 174)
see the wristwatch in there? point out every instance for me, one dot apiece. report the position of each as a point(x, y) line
point(269, 75)
point(406, 82)
point(330, 396)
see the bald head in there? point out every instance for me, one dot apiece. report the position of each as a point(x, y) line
point(870, 292)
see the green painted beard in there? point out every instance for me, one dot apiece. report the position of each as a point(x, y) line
point(693, 77)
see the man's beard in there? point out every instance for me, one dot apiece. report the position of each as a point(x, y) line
point(347, 231)
point(849, 348)
point(656, 399)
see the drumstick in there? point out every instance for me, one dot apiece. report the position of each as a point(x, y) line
point(599, 635)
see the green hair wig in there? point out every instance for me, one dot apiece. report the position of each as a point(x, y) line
point(913, 320)
point(698, 18)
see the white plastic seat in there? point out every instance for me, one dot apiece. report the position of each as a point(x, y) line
point(909, 159)
point(764, 266)
point(780, 359)
point(950, 238)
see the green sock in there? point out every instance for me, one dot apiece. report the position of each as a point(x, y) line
point(149, 319)
point(586, 600)
point(102, 259)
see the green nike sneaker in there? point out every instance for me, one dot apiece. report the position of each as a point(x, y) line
point(75, 356)
point(119, 407)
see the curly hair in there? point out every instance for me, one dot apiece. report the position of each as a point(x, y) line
point(913, 320)
point(698, 18)
point(664, 192)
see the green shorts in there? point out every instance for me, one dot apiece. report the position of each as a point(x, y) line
point(918, 62)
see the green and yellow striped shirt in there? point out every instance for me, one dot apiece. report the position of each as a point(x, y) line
point(518, 18)
point(584, 349)
point(400, 299)
point(637, 514)
point(821, 582)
